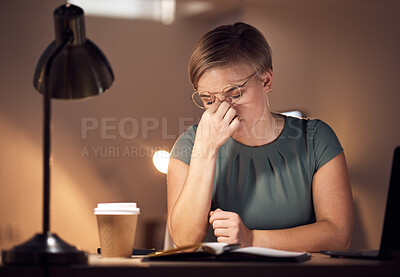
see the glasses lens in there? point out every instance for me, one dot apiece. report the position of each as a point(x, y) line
point(202, 99)
point(232, 94)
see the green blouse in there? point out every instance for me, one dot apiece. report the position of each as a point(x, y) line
point(269, 186)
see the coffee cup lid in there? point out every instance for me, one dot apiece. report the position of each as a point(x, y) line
point(116, 208)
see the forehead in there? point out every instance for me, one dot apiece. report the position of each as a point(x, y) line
point(215, 79)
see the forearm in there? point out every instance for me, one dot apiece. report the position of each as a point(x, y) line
point(311, 238)
point(188, 221)
point(190, 201)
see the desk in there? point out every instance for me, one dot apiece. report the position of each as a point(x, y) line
point(319, 265)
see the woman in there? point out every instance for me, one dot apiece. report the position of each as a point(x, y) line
point(245, 174)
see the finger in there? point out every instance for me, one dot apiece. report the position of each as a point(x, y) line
point(214, 106)
point(224, 223)
point(221, 232)
point(234, 125)
point(219, 215)
point(236, 116)
point(222, 109)
point(230, 114)
point(211, 212)
point(224, 239)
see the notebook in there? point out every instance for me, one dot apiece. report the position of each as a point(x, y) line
point(390, 240)
point(219, 251)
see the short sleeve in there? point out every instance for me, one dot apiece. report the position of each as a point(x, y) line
point(182, 149)
point(326, 144)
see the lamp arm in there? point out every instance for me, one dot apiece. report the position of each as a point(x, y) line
point(67, 37)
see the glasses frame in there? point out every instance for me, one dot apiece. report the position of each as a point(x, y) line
point(212, 94)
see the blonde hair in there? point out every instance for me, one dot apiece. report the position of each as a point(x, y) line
point(227, 45)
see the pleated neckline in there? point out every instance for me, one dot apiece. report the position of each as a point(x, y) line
point(269, 144)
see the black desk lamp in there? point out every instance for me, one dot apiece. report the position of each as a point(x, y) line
point(71, 67)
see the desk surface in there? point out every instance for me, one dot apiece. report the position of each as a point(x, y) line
point(319, 265)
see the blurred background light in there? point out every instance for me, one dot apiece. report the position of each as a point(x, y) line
point(160, 161)
point(158, 10)
point(293, 113)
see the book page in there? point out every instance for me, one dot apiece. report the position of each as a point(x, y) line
point(215, 248)
point(268, 252)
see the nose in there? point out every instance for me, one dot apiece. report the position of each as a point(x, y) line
point(220, 96)
point(223, 97)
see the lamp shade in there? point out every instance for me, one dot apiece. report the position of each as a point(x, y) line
point(79, 69)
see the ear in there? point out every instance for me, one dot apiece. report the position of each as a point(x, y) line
point(266, 78)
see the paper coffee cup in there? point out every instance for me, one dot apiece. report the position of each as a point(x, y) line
point(117, 228)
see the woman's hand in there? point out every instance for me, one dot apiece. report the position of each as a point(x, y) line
point(217, 124)
point(228, 227)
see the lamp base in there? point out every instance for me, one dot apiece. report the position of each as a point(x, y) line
point(46, 248)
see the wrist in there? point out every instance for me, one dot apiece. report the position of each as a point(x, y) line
point(251, 237)
point(204, 151)
point(261, 238)
point(248, 239)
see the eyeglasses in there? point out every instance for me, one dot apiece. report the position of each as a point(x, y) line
point(230, 94)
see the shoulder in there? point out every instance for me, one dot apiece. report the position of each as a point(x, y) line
point(323, 140)
point(301, 121)
point(189, 133)
point(320, 130)
point(182, 149)
point(309, 127)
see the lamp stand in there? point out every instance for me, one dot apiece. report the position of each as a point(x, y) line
point(46, 248)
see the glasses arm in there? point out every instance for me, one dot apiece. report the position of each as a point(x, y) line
point(248, 79)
